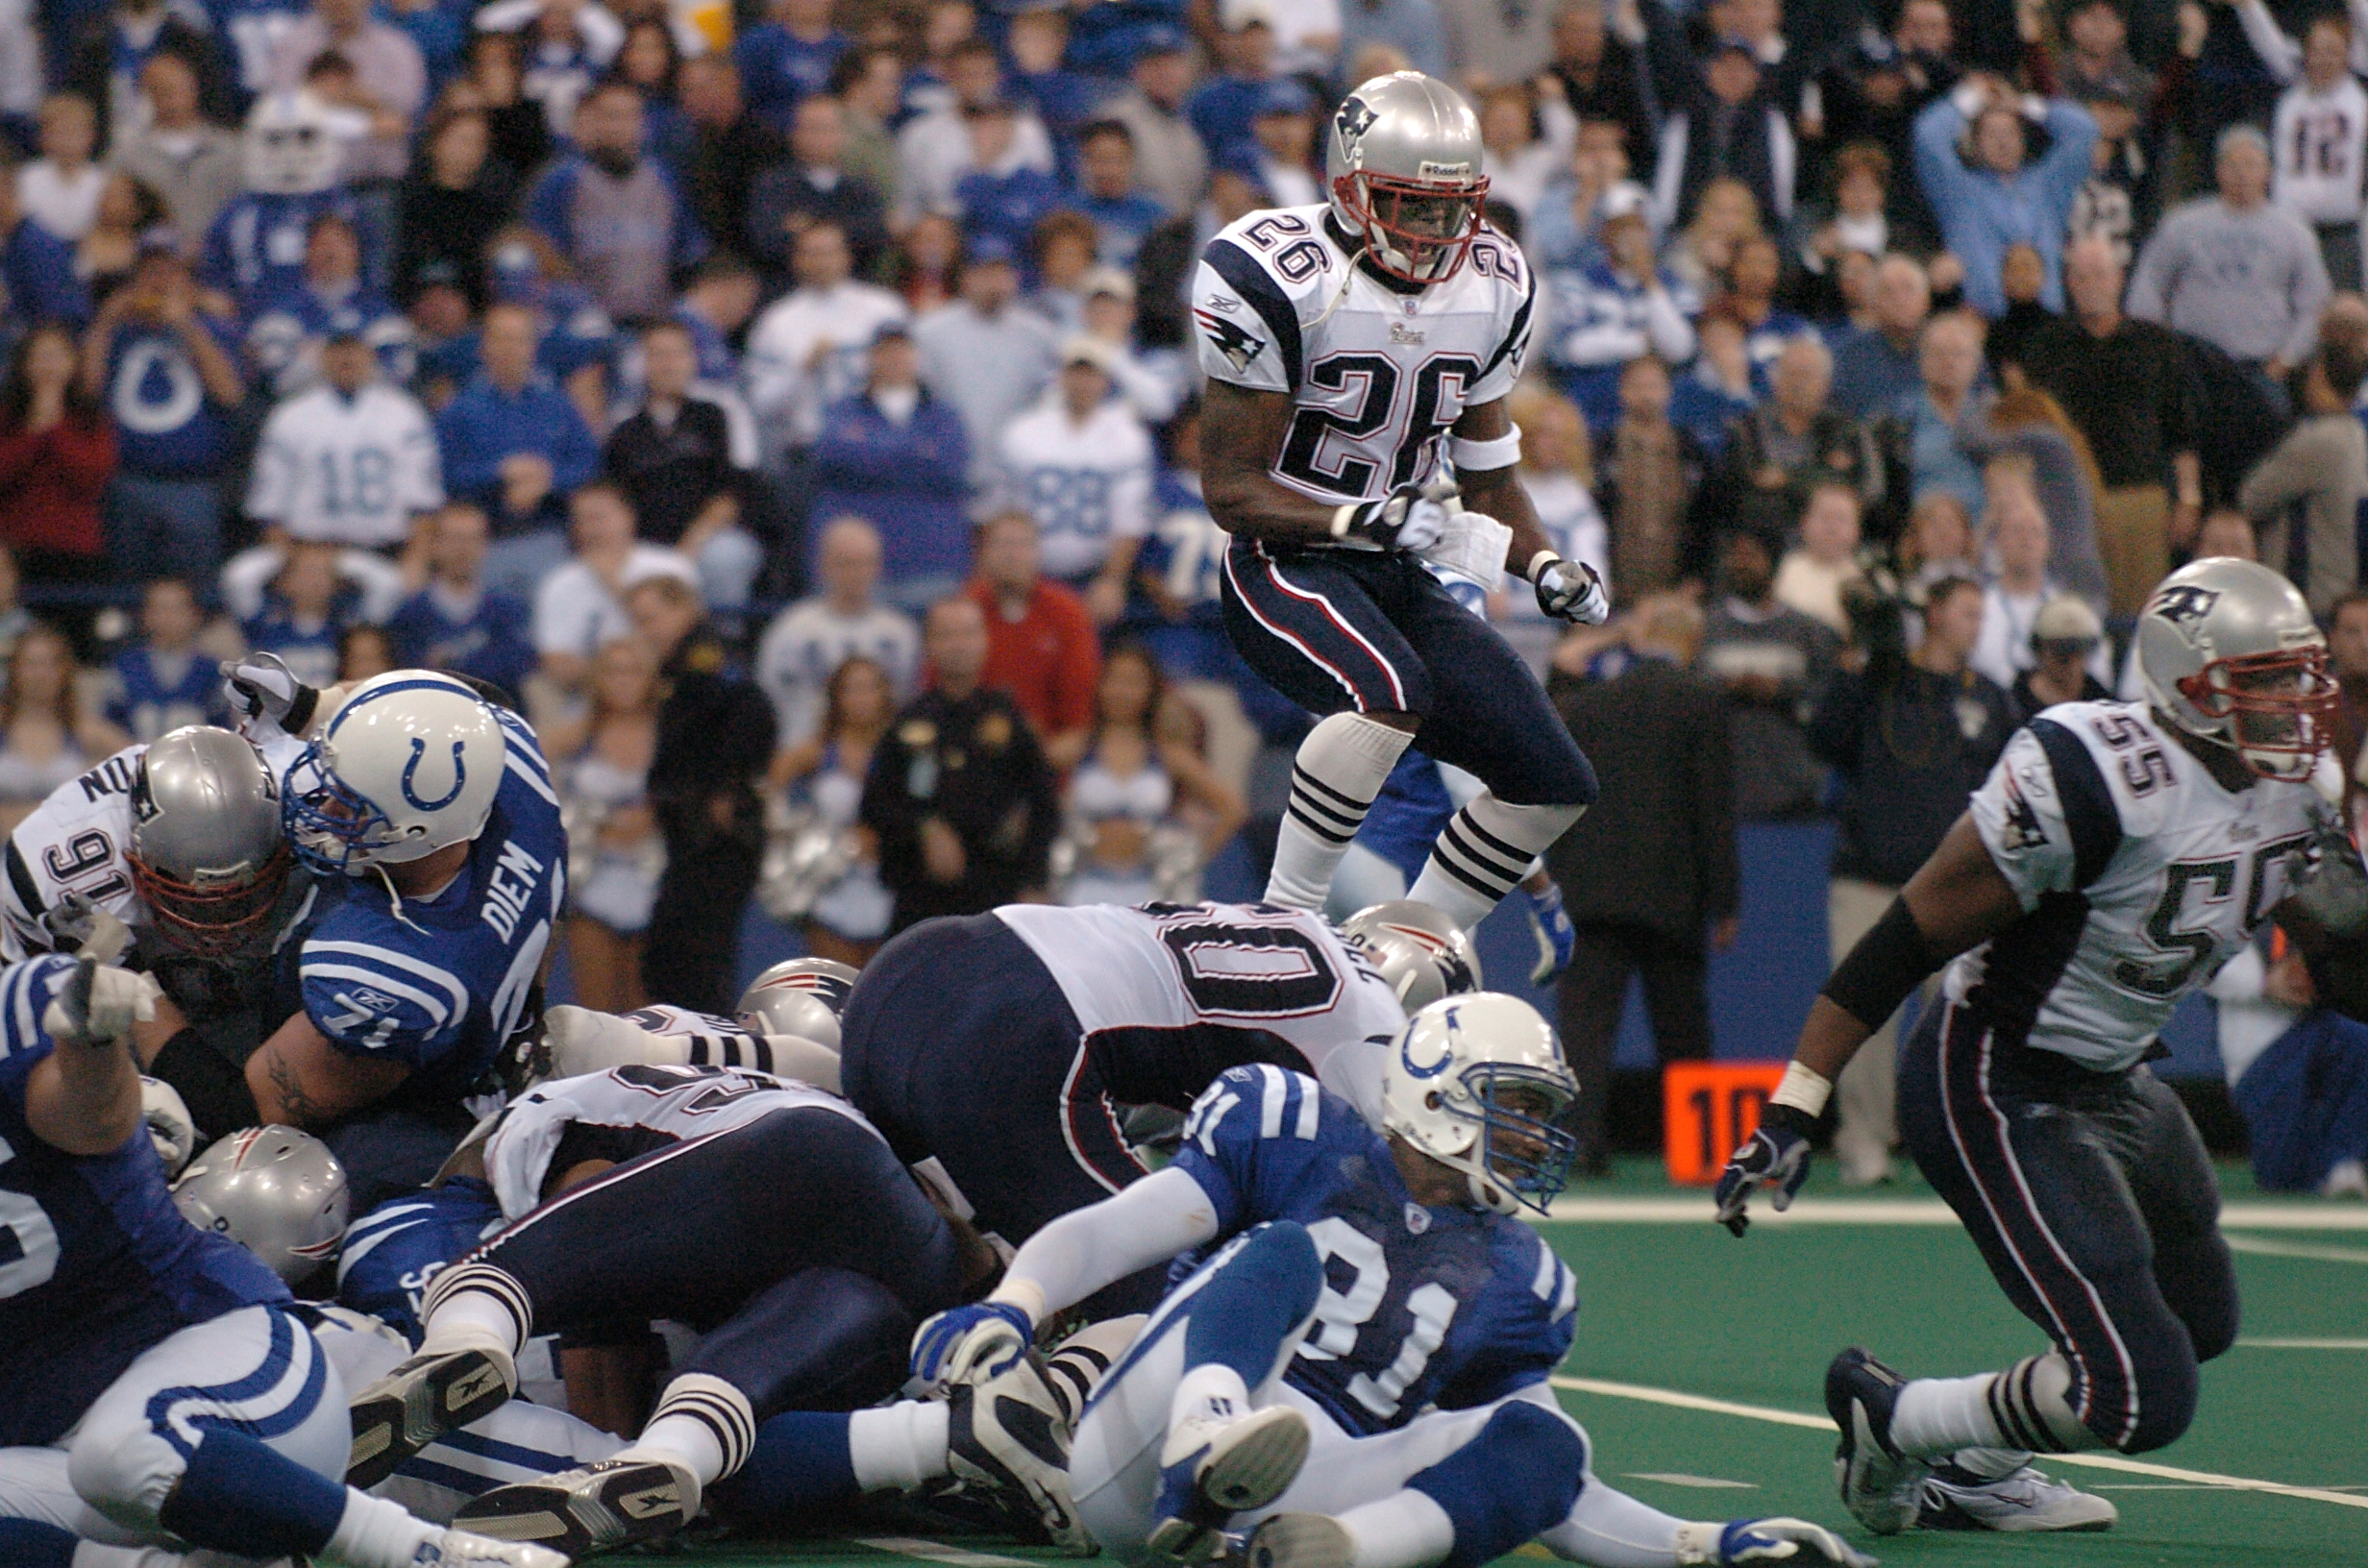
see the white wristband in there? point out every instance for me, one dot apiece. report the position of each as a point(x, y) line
point(1538, 563)
point(1343, 516)
point(1804, 1089)
point(1484, 456)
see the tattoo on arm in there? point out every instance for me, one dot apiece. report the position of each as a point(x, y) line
point(300, 1107)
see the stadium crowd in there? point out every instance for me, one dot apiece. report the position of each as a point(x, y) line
point(797, 405)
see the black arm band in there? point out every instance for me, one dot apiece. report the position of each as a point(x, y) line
point(1889, 961)
point(212, 1085)
point(300, 712)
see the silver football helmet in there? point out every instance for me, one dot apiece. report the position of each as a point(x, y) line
point(207, 852)
point(1422, 955)
point(802, 996)
point(1403, 168)
point(278, 1192)
point(2229, 651)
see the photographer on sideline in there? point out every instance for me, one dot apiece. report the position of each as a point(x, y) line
point(1912, 735)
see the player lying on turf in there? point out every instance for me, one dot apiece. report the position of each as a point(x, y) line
point(2119, 853)
point(1353, 1369)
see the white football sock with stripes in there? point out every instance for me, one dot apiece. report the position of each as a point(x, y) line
point(2025, 1407)
point(476, 1307)
point(1482, 852)
point(702, 1422)
point(1340, 767)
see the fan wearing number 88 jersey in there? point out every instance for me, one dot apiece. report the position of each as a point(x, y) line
point(1359, 352)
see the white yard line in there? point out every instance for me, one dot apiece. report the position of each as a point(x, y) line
point(1679, 1208)
point(2295, 1249)
point(2302, 1344)
point(1819, 1423)
point(952, 1556)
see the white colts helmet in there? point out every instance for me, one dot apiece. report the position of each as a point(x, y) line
point(1422, 955)
point(276, 1191)
point(290, 148)
point(2229, 651)
point(1450, 1086)
point(802, 996)
point(411, 762)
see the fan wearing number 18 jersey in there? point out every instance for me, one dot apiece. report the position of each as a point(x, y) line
point(1359, 352)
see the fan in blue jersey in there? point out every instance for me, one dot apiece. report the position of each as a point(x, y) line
point(305, 612)
point(429, 816)
point(155, 1388)
point(255, 29)
point(456, 622)
point(287, 326)
point(1353, 1362)
point(256, 246)
point(160, 683)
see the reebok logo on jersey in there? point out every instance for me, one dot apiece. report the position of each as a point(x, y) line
point(1238, 346)
point(1400, 332)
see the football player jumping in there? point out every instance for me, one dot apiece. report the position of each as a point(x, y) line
point(1359, 352)
point(2119, 853)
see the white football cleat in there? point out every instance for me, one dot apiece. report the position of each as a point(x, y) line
point(1212, 1470)
point(459, 1549)
point(594, 1507)
point(2027, 1500)
point(1300, 1540)
point(1011, 1434)
point(419, 1402)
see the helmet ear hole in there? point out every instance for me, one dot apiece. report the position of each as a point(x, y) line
point(1432, 1101)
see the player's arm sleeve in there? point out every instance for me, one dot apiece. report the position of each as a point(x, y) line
point(1159, 1216)
point(2046, 814)
point(1245, 329)
point(1512, 352)
point(372, 1001)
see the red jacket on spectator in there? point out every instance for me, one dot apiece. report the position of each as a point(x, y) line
point(50, 485)
point(1048, 659)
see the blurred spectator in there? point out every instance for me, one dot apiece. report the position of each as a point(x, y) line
point(1789, 444)
point(1935, 543)
point(1603, 76)
point(1861, 181)
point(984, 359)
point(515, 445)
point(934, 151)
point(1108, 193)
point(60, 190)
point(306, 608)
point(1566, 224)
point(2021, 589)
point(1041, 645)
point(2124, 384)
point(1649, 469)
point(2297, 1069)
point(1558, 474)
point(2318, 136)
point(1772, 663)
point(813, 185)
point(1222, 108)
point(364, 651)
point(810, 349)
point(564, 46)
point(869, 87)
point(1526, 150)
point(1715, 393)
point(190, 162)
point(1911, 740)
point(2234, 271)
point(288, 325)
point(1609, 310)
point(684, 459)
point(456, 622)
point(580, 604)
point(390, 76)
point(1169, 157)
point(1657, 733)
point(2067, 644)
point(454, 202)
point(2346, 660)
point(1874, 90)
point(1498, 40)
point(1153, 381)
point(615, 212)
point(721, 150)
point(1139, 772)
point(824, 772)
point(959, 793)
point(166, 372)
point(56, 454)
point(353, 461)
point(715, 302)
point(1752, 283)
point(1036, 38)
point(162, 681)
point(109, 56)
point(1729, 129)
point(1971, 151)
point(1811, 577)
point(35, 266)
point(1062, 246)
point(601, 764)
point(1079, 463)
point(2322, 469)
point(127, 212)
point(496, 74)
point(1700, 256)
point(715, 739)
point(786, 57)
point(260, 241)
point(575, 339)
point(1875, 367)
point(1282, 139)
point(2025, 430)
point(812, 639)
point(1002, 193)
point(45, 736)
point(896, 456)
point(1951, 361)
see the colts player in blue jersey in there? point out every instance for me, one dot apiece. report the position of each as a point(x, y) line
point(429, 816)
point(155, 1386)
point(1353, 1363)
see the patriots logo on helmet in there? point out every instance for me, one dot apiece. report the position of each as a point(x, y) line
point(1229, 338)
point(2183, 606)
point(1354, 119)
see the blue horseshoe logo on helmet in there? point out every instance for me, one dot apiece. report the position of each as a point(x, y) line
point(460, 777)
point(1446, 1059)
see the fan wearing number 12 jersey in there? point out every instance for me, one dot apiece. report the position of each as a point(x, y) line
point(1359, 352)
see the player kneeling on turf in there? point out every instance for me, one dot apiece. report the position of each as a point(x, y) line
point(1355, 1375)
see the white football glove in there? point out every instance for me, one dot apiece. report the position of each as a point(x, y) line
point(1765, 1540)
point(1570, 591)
point(98, 1004)
point(260, 689)
point(169, 1125)
point(1409, 517)
point(970, 1344)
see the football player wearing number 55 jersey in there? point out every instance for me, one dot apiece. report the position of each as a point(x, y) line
point(2118, 856)
point(1358, 354)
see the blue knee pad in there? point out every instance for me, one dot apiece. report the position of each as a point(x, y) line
point(802, 1460)
point(243, 1497)
point(30, 1543)
point(1254, 1301)
point(1515, 1480)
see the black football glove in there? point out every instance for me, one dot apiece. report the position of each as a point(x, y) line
point(1408, 518)
point(1776, 1155)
